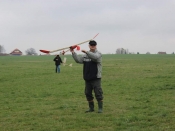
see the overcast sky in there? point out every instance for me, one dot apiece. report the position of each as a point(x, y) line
point(137, 25)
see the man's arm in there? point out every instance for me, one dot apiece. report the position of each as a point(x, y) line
point(78, 59)
point(94, 55)
point(54, 59)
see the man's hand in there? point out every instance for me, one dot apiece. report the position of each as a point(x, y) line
point(71, 49)
point(84, 51)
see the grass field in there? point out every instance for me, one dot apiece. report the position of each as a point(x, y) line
point(139, 94)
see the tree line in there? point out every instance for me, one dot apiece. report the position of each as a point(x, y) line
point(30, 51)
point(2, 49)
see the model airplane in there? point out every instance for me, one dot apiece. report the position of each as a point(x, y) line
point(68, 48)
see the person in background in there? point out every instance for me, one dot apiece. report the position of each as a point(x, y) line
point(92, 70)
point(58, 62)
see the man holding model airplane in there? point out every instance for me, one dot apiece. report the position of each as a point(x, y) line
point(92, 70)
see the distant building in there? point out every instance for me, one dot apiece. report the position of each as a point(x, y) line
point(122, 51)
point(161, 53)
point(16, 52)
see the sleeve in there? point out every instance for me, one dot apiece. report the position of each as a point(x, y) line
point(96, 57)
point(54, 59)
point(78, 59)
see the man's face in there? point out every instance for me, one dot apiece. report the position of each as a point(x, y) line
point(92, 47)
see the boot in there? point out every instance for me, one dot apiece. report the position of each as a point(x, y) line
point(91, 107)
point(100, 106)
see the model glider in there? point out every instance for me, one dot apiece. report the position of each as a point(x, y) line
point(68, 48)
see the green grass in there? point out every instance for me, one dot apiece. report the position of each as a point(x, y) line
point(139, 94)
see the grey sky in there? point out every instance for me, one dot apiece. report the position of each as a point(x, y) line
point(136, 25)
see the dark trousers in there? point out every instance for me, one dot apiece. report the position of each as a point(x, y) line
point(57, 69)
point(94, 85)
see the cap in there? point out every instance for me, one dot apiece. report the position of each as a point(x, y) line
point(92, 42)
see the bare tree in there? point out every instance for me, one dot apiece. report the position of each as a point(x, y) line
point(118, 51)
point(2, 50)
point(31, 51)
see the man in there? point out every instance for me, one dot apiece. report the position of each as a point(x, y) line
point(58, 61)
point(92, 69)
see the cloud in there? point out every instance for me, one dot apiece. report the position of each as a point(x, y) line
point(138, 25)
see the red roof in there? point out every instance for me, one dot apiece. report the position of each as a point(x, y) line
point(16, 52)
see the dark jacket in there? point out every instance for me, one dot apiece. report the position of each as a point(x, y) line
point(57, 60)
point(92, 64)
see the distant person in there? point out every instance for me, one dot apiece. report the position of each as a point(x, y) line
point(58, 62)
point(92, 70)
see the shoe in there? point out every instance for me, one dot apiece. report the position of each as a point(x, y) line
point(91, 107)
